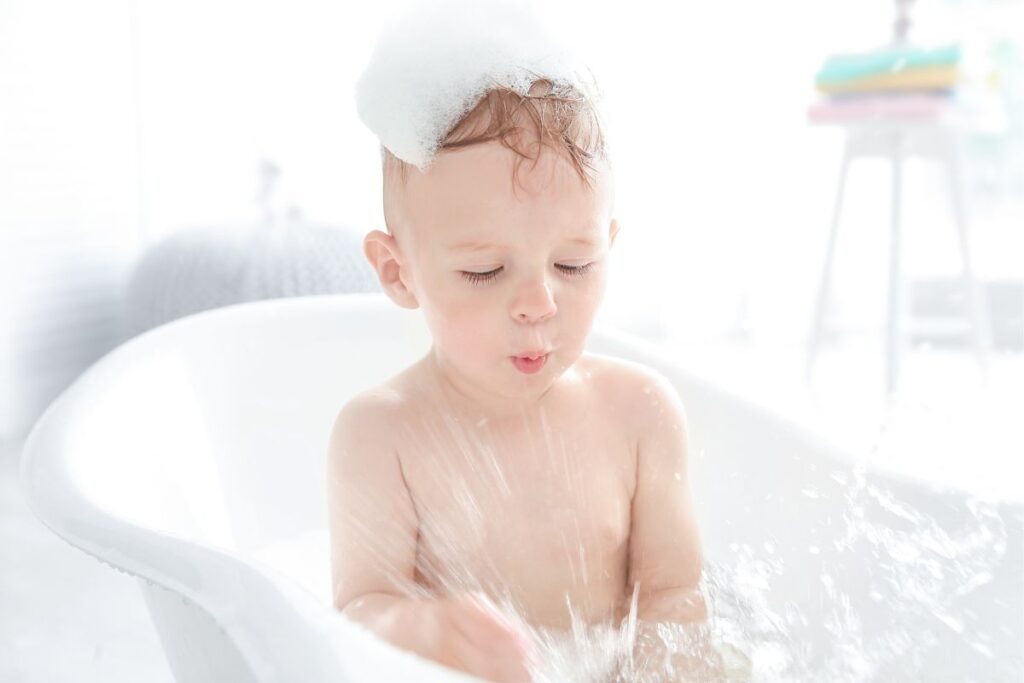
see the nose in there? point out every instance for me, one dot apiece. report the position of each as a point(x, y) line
point(534, 301)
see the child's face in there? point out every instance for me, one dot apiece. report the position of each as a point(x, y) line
point(503, 272)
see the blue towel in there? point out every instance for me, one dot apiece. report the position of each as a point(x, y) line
point(839, 68)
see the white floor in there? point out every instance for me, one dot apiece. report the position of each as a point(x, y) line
point(65, 617)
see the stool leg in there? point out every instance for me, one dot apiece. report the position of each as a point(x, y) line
point(821, 303)
point(895, 327)
point(976, 304)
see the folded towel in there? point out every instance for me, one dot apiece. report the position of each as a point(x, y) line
point(907, 107)
point(939, 77)
point(887, 60)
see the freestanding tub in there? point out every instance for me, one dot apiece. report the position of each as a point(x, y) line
point(192, 457)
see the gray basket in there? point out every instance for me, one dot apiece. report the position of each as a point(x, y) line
point(199, 269)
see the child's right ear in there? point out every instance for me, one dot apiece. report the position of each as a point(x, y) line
point(382, 252)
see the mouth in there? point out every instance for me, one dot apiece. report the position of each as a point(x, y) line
point(530, 363)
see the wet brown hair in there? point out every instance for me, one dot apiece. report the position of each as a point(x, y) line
point(563, 119)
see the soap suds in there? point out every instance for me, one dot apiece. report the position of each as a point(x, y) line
point(434, 62)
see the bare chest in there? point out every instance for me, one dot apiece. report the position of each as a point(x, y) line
point(538, 514)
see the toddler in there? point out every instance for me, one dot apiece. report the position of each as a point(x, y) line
point(508, 483)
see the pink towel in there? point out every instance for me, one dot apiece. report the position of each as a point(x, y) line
point(880, 108)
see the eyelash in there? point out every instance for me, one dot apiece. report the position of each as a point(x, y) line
point(570, 271)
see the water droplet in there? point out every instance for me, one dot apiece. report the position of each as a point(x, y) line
point(950, 621)
point(814, 550)
point(679, 477)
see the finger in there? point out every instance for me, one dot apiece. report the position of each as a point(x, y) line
point(468, 656)
point(499, 646)
point(495, 630)
point(477, 619)
point(500, 618)
point(485, 633)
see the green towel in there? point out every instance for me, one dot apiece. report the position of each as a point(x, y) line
point(845, 67)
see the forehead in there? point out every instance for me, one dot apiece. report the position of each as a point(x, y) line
point(470, 193)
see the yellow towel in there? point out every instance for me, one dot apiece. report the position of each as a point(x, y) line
point(919, 78)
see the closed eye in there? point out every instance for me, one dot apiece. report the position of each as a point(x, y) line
point(479, 278)
point(575, 271)
point(571, 271)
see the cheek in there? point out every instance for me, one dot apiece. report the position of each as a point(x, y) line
point(578, 317)
point(465, 330)
point(461, 321)
point(585, 299)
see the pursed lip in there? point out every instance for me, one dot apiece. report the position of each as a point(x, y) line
point(532, 354)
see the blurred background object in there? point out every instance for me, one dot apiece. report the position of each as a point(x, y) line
point(897, 102)
point(115, 137)
point(281, 255)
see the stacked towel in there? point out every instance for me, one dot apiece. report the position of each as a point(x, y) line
point(900, 82)
point(894, 69)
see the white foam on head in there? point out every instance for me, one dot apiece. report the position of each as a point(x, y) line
point(433, 63)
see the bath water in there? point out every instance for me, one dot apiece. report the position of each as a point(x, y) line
point(884, 630)
point(880, 596)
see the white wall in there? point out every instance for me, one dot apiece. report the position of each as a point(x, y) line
point(705, 105)
point(69, 202)
point(122, 120)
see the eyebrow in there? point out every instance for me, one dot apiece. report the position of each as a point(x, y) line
point(482, 246)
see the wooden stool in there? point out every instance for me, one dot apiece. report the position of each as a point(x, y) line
point(897, 141)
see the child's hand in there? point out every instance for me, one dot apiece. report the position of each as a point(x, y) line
point(474, 637)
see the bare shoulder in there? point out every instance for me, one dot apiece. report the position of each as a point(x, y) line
point(626, 378)
point(368, 419)
point(633, 389)
point(364, 413)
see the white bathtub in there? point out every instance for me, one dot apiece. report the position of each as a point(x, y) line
point(192, 457)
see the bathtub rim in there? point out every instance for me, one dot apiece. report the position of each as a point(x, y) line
point(146, 553)
point(59, 504)
point(604, 336)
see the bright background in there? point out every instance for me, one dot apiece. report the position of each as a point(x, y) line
point(122, 122)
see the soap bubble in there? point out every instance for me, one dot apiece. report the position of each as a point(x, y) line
point(434, 62)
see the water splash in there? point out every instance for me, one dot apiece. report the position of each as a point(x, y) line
point(885, 585)
point(919, 577)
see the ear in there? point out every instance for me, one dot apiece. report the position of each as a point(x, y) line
point(382, 252)
point(613, 230)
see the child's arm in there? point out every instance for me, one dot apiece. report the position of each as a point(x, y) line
point(371, 518)
point(374, 529)
point(665, 554)
point(665, 558)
